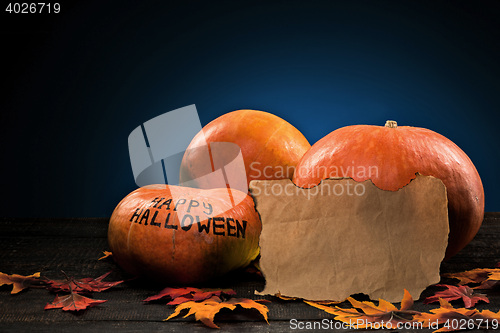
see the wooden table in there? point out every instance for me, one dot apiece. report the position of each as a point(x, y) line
point(74, 245)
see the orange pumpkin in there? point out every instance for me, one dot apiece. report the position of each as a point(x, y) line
point(391, 156)
point(182, 235)
point(270, 147)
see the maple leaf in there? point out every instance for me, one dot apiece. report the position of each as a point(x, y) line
point(365, 314)
point(492, 281)
point(461, 292)
point(85, 285)
point(206, 310)
point(19, 282)
point(73, 302)
point(477, 275)
point(107, 254)
point(182, 295)
point(447, 315)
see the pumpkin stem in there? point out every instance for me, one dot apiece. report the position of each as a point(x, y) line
point(391, 124)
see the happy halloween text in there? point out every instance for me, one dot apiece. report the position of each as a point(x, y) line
point(221, 226)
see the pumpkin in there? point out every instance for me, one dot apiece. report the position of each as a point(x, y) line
point(391, 156)
point(270, 146)
point(181, 235)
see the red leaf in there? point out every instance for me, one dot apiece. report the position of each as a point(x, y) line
point(73, 302)
point(182, 295)
point(85, 285)
point(18, 282)
point(461, 292)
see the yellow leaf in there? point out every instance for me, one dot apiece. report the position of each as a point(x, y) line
point(18, 282)
point(205, 311)
point(364, 314)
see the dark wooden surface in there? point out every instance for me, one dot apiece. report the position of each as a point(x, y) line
point(74, 245)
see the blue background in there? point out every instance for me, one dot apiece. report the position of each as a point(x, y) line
point(77, 83)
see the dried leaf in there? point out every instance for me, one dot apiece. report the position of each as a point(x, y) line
point(18, 282)
point(453, 293)
point(182, 295)
point(85, 285)
point(107, 254)
point(205, 311)
point(327, 302)
point(73, 302)
point(286, 298)
point(491, 282)
point(366, 314)
point(448, 316)
point(477, 275)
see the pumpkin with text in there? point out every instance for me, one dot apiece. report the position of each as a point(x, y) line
point(270, 146)
point(391, 156)
point(182, 235)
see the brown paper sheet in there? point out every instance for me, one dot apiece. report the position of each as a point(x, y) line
point(345, 237)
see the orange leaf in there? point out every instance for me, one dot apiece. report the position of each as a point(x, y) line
point(205, 311)
point(327, 302)
point(107, 254)
point(286, 298)
point(182, 295)
point(73, 302)
point(369, 315)
point(451, 318)
point(491, 282)
point(18, 282)
point(461, 292)
point(407, 301)
point(477, 275)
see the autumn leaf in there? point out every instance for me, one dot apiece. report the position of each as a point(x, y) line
point(73, 302)
point(385, 314)
point(286, 298)
point(182, 295)
point(19, 282)
point(448, 316)
point(206, 310)
point(497, 265)
point(461, 292)
point(491, 282)
point(107, 254)
point(477, 275)
point(85, 285)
